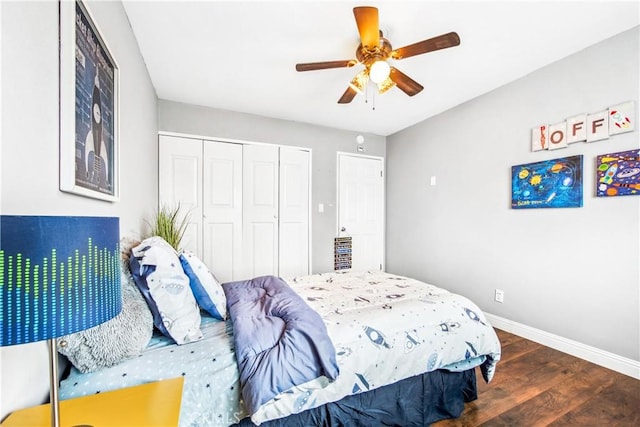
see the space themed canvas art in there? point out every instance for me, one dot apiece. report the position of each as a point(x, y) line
point(89, 104)
point(618, 174)
point(555, 183)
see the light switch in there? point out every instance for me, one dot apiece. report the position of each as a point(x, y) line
point(433, 181)
point(321, 207)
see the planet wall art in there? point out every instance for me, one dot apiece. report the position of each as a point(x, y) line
point(555, 183)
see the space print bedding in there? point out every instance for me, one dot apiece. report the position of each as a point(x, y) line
point(386, 330)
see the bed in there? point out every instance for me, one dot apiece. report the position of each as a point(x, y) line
point(405, 353)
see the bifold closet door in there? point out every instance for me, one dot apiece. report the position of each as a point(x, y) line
point(222, 205)
point(249, 204)
point(294, 212)
point(260, 210)
point(180, 181)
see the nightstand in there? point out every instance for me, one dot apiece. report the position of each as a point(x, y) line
point(150, 405)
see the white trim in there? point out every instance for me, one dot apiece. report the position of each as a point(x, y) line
point(365, 156)
point(231, 140)
point(603, 358)
point(310, 242)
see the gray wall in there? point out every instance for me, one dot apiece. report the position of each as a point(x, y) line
point(29, 151)
point(570, 272)
point(324, 143)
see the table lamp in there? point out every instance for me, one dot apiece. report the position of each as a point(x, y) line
point(58, 275)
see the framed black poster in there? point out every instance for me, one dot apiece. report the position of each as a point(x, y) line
point(89, 80)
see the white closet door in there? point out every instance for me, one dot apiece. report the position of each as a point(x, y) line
point(223, 209)
point(260, 210)
point(294, 212)
point(180, 181)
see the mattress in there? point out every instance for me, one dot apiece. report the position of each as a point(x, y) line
point(385, 328)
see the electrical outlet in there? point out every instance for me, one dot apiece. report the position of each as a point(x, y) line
point(499, 296)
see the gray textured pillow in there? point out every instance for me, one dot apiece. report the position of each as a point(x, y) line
point(116, 340)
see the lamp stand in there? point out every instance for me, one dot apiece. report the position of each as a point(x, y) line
point(53, 387)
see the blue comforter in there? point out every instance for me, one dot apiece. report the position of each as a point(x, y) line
point(280, 342)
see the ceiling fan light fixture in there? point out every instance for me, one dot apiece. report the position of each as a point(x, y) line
point(359, 81)
point(379, 71)
point(385, 85)
point(374, 50)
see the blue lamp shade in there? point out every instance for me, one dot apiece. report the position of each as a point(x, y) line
point(58, 275)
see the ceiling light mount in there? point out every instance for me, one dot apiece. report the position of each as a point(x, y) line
point(375, 60)
point(368, 56)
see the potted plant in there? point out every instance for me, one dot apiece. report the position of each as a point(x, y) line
point(167, 224)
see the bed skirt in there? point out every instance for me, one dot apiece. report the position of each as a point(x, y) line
point(415, 401)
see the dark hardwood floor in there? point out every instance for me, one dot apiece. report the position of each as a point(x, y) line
point(535, 385)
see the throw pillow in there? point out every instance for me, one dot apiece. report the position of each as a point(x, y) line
point(118, 339)
point(205, 286)
point(158, 273)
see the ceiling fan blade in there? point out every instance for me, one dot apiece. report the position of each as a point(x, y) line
point(404, 82)
point(347, 96)
point(310, 66)
point(436, 43)
point(367, 22)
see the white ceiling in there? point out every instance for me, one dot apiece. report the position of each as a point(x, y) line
point(241, 55)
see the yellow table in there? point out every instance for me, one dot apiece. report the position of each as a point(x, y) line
point(149, 405)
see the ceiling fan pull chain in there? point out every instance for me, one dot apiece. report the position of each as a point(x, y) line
point(373, 100)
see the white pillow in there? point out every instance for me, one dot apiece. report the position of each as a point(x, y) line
point(158, 273)
point(205, 286)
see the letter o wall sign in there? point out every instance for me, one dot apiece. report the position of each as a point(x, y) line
point(584, 127)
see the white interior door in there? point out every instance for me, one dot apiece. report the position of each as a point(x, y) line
point(294, 212)
point(180, 181)
point(260, 210)
point(361, 208)
point(222, 205)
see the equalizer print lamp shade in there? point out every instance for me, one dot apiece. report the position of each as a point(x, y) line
point(58, 275)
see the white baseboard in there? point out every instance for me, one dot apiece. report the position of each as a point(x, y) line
point(603, 358)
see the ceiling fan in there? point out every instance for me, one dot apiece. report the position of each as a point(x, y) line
point(374, 51)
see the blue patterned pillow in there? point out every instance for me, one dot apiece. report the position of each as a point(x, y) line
point(205, 286)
